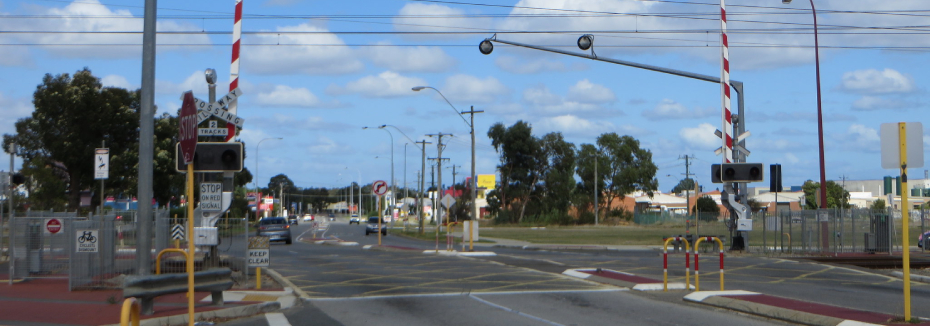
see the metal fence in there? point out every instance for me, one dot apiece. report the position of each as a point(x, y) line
point(828, 231)
point(93, 251)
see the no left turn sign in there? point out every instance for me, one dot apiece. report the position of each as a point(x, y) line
point(380, 187)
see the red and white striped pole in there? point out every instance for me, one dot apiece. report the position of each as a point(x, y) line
point(234, 66)
point(725, 86)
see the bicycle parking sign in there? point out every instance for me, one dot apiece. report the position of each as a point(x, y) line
point(86, 240)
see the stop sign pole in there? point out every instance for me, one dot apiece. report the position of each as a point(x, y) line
point(187, 136)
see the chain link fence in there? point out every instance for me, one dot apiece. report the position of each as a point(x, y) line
point(96, 251)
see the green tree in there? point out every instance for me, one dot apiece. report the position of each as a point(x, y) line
point(629, 167)
point(878, 205)
point(709, 211)
point(72, 115)
point(559, 173)
point(588, 157)
point(837, 197)
point(683, 185)
point(521, 164)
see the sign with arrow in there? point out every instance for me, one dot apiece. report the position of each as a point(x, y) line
point(380, 187)
point(177, 232)
point(102, 163)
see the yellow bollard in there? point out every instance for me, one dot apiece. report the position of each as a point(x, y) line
point(665, 263)
point(158, 258)
point(130, 312)
point(697, 272)
point(258, 278)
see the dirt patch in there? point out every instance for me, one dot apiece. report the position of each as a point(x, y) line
point(241, 283)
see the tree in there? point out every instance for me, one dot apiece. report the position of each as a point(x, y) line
point(521, 163)
point(629, 167)
point(708, 208)
point(878, 205)
point(282, 182)
point(837, 197)
point(72, 116)
point(559, 173)
point(683, 185)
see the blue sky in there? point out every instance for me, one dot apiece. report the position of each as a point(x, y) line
point(316, 72)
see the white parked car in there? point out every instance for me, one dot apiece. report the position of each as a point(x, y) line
point(308, 217)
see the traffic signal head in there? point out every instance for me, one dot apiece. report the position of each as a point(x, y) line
point(775, 178)
point(18, 179)
point(741, 172)
point(214, 157)
point(736, 172)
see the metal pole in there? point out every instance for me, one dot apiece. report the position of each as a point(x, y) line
point(823, 175)
point(9, 202)
point(146, 146)
point(103, 144)
point(420, 214)
point(595, 188)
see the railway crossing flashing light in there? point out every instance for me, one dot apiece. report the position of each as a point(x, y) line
point(737, 172)
point(215, 157)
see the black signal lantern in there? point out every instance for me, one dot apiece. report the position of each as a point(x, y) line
point(736, 172)
point(214, 157)
point(18, 179)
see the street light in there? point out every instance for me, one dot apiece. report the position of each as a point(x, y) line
point(823, 174)
point(258, 200)
point(393, 189)
point(422, 200)
point(359, 191)
point(471, 125)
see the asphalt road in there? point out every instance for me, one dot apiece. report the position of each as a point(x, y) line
point(349, 285)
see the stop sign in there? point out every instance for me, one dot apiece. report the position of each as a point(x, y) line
point(187, 128)
point(53, 226)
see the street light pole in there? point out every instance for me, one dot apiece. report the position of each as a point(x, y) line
point(393, 188)
point(255, 180)
point(471, 126)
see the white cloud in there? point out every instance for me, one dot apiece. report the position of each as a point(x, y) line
point(587, 92)
point(286, 96)
point(194, 82)
point(859, 138)
point(778, 145)
point(871, 103)
point(791, 158)
point(572, 125)
point(668, 109)
point(701, 137)
point(471, 89)
point(385, 85)
point(91, 16)
point(516, 65)
point(410, 59)
point(545, 102)
point(420, 17)
point(299, 53)
point(116, 81)
point(872, 81)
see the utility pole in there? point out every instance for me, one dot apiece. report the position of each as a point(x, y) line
point(474, 181)
point(422, 179)
point(439, 159)
point(688, 175)
point(596, 190)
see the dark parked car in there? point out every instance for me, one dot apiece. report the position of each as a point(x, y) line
point(372, 226)
point(275, 228)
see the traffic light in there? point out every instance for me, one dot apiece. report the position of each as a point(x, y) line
point(736, 172)
point(775, 178)
point(213, 157)
point(18, 179)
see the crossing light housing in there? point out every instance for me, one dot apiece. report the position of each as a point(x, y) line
point(737, 172)
point(213, 157)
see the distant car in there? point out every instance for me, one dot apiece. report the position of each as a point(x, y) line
point(292, 219)
point(308, 217)
point(372, 226)
point(354, 219)
point(275, 228)
point(920, 239)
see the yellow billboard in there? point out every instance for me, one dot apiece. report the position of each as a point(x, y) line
point(487, 181)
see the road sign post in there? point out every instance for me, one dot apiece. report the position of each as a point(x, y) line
point(380, 188)
point(187, 136)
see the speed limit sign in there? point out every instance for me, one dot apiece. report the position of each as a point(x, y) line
point(380, 187)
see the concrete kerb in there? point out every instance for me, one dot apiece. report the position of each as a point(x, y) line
point(717, 299)
point(460, 253)
point(235, 312)
point(287, 283)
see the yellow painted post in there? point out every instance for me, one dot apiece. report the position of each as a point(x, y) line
point(471, 235)
point(130, 312)
point(258, 278)
point(902, 139)
point(380, 214)
point(697, 270)
point(665, 263)
point(190, 243)
point(158, 258)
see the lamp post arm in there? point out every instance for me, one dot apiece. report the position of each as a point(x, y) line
point(708, 78)
point(450, 104)
point(405, 135)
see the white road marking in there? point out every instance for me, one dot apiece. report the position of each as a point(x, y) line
point(276, 319)
point(514, 311)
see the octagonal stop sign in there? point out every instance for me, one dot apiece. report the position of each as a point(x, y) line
point(53, 226)
point(187, 128)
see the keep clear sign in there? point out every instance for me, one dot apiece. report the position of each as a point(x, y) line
point(259, 254)
point(87, 240)
point(211, 196)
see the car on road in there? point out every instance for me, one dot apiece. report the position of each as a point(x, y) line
point(372, 226)
point(276, 229)
point(921, 239)
point(292, 219)
point(355, 219)
point(308, 217)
